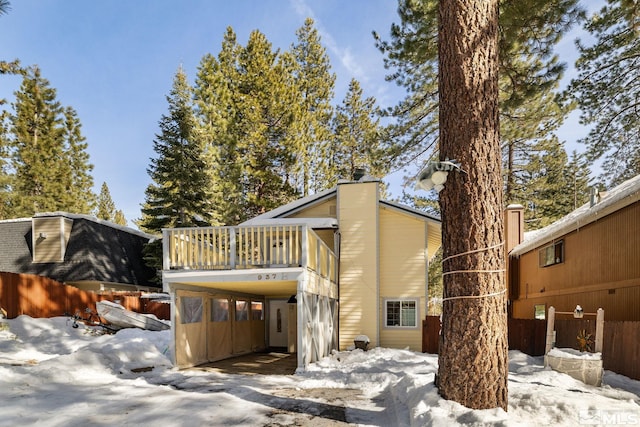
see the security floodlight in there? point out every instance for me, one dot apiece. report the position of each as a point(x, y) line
point(435, 175)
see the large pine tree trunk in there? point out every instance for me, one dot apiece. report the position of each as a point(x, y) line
point(473, 363)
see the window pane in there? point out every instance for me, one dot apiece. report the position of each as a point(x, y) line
point(190, 309)
point(242, 311)
point(219, 310)
point(393, 313)
point(408, 313)
point(256, 310)
point(539, 311)
point(558, 252)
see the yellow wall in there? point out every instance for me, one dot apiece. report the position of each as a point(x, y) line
point(358, 220)
point(403, 267)
point(326, 209)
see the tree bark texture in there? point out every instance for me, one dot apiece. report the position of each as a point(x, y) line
point(473, 359)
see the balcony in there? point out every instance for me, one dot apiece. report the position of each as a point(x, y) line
point(248, 247)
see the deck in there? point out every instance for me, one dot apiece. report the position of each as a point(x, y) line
point(248, 247)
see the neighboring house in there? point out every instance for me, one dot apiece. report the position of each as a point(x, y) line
point(310, 276)
point(591, 258)
point(78, 250)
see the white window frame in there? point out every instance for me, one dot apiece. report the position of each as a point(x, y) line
point(415, 301)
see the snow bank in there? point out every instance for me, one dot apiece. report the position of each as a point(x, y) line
point(53, 374)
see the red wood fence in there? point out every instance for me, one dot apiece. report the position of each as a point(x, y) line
point(620, 350)
point(526, 335)
point(39, 296)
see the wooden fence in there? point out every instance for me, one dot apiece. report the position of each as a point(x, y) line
point(525, 335)
point(39, 296)
point(620, 347)
point(620, 352)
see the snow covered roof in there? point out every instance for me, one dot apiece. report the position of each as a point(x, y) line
point(311, 222)
point(305, 202)
point(619, 197)
point(292, 207)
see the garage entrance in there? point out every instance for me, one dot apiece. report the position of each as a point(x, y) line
point(214, 326)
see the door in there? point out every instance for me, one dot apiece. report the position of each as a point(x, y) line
point(278, 323)
point(191, 330)
point(241, 326)
point(219, 338)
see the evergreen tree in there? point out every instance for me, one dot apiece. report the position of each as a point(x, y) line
point(529, 75)
point(177, 196)
point(577, 181)
point(215, 102)
point(50, 164)
point(79, 197)
point(4, 7)
point(264, 127)
point(119, 218)
point(315, 83)
point(357, 136)
point(545, 189)
point(244, 101)
point(607, 89)
point(5, 173)
point(105, 208)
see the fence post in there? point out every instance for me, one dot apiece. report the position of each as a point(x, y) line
point(550, 330)
point(599, 330)
point(232, 247)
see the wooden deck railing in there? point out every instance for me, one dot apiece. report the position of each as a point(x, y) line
point(230, 248)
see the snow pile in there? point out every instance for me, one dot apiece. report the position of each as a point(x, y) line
point(52, 374)
point(570, 353)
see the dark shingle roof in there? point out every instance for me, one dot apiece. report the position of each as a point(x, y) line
point(97, 250)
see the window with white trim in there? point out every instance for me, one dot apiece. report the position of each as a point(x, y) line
point(401, 313)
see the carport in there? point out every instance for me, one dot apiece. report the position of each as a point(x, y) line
point(222, 313)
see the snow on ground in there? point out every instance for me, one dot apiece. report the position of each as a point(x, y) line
point(52, 374)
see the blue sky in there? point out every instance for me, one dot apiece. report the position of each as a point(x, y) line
point(114, 62)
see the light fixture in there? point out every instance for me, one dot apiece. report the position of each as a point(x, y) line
point(434, 175)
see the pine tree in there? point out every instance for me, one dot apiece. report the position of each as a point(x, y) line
point(529, 75)
point(215, 107)
point(5, 174)
point(4, 7)
point(49, 159)
point(577, 182)
point(105, 208)
point(357, 137)
point(315, 83)
point(119, 218)
point(472, 359)
point(80, 197)
point(264, 126)
point(244, 101)
point(607, 89)
point(177, 196)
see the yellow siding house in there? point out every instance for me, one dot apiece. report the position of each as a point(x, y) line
point(313, 275)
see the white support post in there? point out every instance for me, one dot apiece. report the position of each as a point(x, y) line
point(305, 242)
point(599, 330)
point(550, 330)
point(166, 256)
